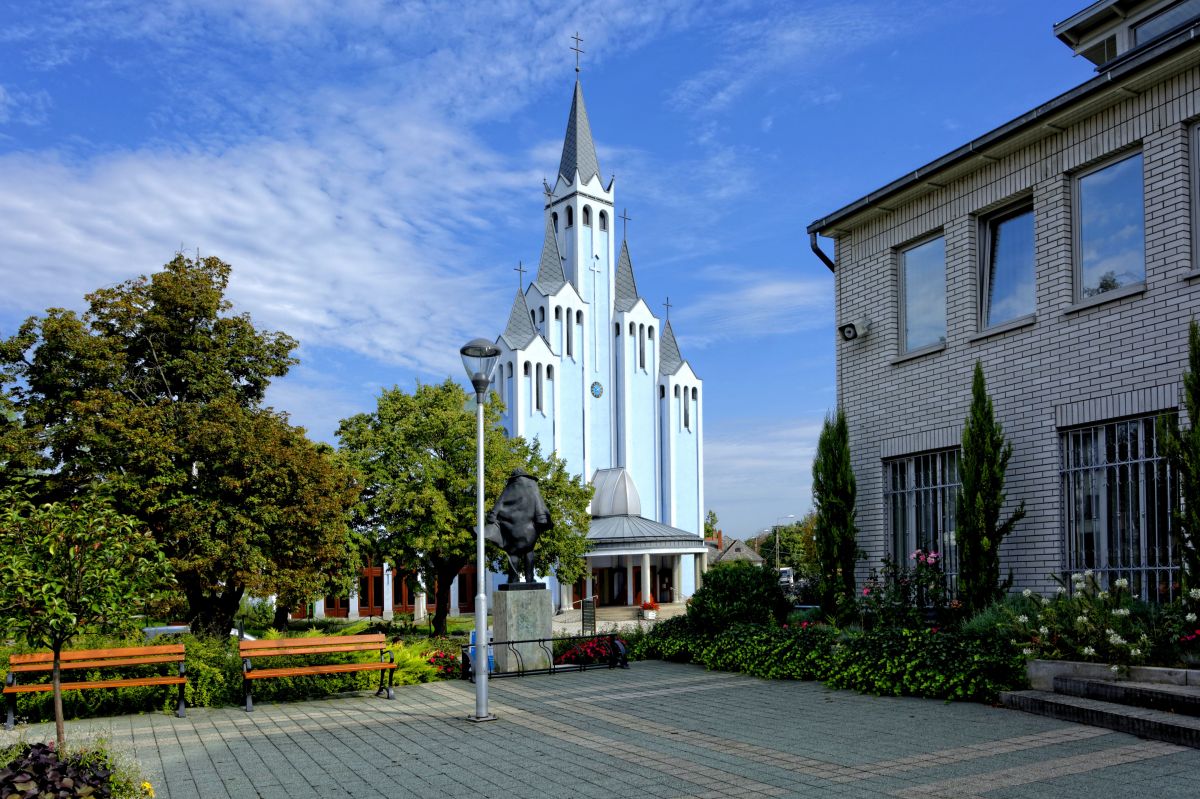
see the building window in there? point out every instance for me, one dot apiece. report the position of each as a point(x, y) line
point(1165, 20)
point(587, 215)
point(1117, 496)
point(1007, 280)
point(570, 216)
point(920, 494)
point(603, 220)
point(554, 219)
point(1110, 214)
point(538, 401)
point(570, 336)
point(641, 346)
point(687, 411)
point(923, 278)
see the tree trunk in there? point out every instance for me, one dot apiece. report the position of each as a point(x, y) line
point(446, 571)
point(60, 733)
point(280, 622)
point(209, 614)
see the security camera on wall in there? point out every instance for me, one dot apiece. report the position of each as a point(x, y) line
point(856, 329)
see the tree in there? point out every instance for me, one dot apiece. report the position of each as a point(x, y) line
point(69, 567)
point(157, 391)
point(1182, 450)
point(834, 493)
point(797, 548)
point(416, 453)
point(710, 524)
point(985, 456)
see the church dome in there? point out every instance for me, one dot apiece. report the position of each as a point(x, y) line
point(616, 495)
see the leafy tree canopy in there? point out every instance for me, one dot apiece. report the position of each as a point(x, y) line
point(834, 494)
point(797, 546)
point(416, 453)
point(156, 390)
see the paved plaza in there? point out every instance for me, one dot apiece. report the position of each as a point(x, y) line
point(656, 730)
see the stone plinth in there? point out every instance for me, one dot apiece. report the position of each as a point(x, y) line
point(520, 616)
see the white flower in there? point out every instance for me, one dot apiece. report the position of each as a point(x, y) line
point(1062, 589)
point(1081, 619)
point(1190, 617)
point(1077, 578)
point(1121, 611)
point(1044, 630)
point(1113, 669)
point(1121, 583)
point(1045, 600)
point(1089, 651)
point(1116, 640)
point(1135, 652)
point(1102, 595)
point(1023, 619)
point(1027, 593)
point(1087, 573)
point(1026, 651)
point(1194, 593)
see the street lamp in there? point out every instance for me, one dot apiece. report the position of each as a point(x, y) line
point(479, 357)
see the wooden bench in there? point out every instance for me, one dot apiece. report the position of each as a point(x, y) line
point(289, 647)
point(43, 663)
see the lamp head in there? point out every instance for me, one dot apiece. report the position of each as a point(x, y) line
point(479, 357)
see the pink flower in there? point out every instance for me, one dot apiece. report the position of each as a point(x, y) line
point(866, 592)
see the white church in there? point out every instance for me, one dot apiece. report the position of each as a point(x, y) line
point(587, 369)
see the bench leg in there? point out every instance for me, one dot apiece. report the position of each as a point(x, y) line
point(386, 688)
point(249, 698)
point(10, 719)
point(181, 708)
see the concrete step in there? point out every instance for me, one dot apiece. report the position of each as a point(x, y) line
point(1181, 699)
point(1157, 725)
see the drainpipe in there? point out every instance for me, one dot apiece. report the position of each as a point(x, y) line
point(816, 248)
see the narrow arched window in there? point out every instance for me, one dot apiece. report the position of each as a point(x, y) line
point(554, 219)
point(650, 332)
point(662, 392)
point(508, 385)
point(632, 329)
point(587, 216)
point(641, 346)
point(676, 387)
point(694, 395)
point(603, 221)
point(558, 312)
point(532, 318)
point(549, 372)
point(570, 216)
point(617, 330)
point(538, 402)
point(579, 317)
point(527, 374)
point(570, 336)
point(687, 411)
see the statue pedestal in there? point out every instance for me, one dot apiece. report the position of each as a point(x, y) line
point(519, 615)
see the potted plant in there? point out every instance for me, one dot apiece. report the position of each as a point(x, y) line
point(650, 609)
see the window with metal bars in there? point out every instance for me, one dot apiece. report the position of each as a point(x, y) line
point(920, 495)
point(1117, 497)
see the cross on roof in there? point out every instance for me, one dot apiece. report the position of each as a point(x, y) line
point(521, 270)
point(668, 307)
point(625, 217)
point(578, 41)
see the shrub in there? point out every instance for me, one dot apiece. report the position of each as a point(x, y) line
point(37, 770)
point(737, 592)
point(906, 596)
point(671, 639)
point(587, 652)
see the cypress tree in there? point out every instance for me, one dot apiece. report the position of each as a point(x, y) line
point(1182, 450)
point(985, 456)
point(834, 492)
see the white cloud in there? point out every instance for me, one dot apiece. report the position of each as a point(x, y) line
point(743, 304)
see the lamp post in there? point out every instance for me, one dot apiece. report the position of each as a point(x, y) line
point(479, 357)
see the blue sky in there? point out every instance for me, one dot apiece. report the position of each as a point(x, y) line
point(372, 171)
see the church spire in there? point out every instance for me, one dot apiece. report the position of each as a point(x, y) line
point(519, 331)
point(669, 358)
point(626, 286)
point(550, 277)
point(579, 153)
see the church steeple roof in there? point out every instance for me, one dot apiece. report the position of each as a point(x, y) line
point(579, 153)
point(626, 286)
point(669, 359)
point(519, 331)
point(550, 277)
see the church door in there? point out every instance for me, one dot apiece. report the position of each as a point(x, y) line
point(337, 607)
point(467, 588)
point(370, 591)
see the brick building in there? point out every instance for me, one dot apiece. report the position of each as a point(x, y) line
point(1057, 250)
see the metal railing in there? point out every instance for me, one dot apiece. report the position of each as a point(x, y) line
point(612, 655)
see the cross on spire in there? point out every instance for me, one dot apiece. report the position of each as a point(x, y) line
point(668, 307)
point(521, 270)
point(578, 41)
point(625, 217)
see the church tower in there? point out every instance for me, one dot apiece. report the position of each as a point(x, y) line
point(588, 370)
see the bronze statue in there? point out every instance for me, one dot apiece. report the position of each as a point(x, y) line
point(519, 517)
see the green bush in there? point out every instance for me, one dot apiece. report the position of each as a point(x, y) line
point(93, 768)
point(737, 592)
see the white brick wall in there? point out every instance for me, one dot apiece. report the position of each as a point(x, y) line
point(1071, 366)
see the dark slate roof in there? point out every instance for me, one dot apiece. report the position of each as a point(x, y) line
point(579, 153)
point(550, 277)
point(626, 286)
point(737, 549)
point(669, 359)
point(519, 332)
point(635, 532)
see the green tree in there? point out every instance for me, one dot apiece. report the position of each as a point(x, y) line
point(985, 456)
point(416, 453)
point(796, 546)
point(157, 391)
point(70, 567)
point(710, 524)
point(1182, 449)
point(834, 493)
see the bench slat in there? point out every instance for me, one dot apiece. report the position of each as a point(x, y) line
point(277, 643)
point(312, 650)
point(95, 664)
point(300, 671)
point(74, 686)
point(97, 654)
